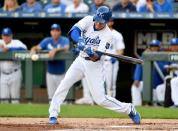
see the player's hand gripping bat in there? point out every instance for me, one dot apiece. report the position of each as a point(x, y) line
point(121, 57)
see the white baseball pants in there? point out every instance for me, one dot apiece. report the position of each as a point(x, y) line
point(86, 91)
point(174, 90)
point(160, 91)
point(111, 71)
point(52, 83)
point(10, 86)
point(136, 93)
point(94, 74)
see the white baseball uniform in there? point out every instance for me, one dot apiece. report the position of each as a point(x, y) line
point(92, 71)
point(87, 98)
point(10, 82)
point(174, 90)
point(111, 69)
point(174, 87)
point(136, 93)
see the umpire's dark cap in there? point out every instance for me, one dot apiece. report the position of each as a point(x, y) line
point(6, 31)
point(55, 27)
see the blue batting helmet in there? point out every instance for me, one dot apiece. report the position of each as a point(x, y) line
point(102, 15)
point(154, 43)
point(173, 41)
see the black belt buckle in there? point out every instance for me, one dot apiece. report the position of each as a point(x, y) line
point(87, 58)
point(8, 73)
point(16, 70)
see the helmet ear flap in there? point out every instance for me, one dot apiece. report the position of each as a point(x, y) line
point(94, 17)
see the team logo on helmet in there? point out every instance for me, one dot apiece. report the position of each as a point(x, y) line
point(99, 14)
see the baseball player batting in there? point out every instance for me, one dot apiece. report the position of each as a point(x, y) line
point(90, 33)
point(110, 67)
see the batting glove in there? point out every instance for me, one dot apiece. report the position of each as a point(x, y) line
point(81, 44)
point(89, 51)
point(113, 60)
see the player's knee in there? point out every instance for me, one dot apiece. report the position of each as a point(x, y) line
point(104, 101)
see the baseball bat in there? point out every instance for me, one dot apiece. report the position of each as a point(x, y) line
point(123, 58)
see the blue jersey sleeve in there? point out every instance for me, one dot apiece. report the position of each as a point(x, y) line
point(75, 33)
point(138, 72)
point(43, 43)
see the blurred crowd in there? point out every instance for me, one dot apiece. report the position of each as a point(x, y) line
point(87, 6)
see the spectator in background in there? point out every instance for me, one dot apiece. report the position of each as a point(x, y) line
point(95, 5)
point(31, 6)
point(10, 6)
point(111, 3)
point(56, 6)
point(56, 68)
point(163, 6)
point(124, 6)
point(67, 2)
point(10, 80)
point(77, 7)
point(138, 3)
point(149, 7)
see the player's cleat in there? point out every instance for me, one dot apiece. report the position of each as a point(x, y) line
point(53, 120)
point(134, 115)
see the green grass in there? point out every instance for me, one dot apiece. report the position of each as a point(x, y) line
point(82, 111)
